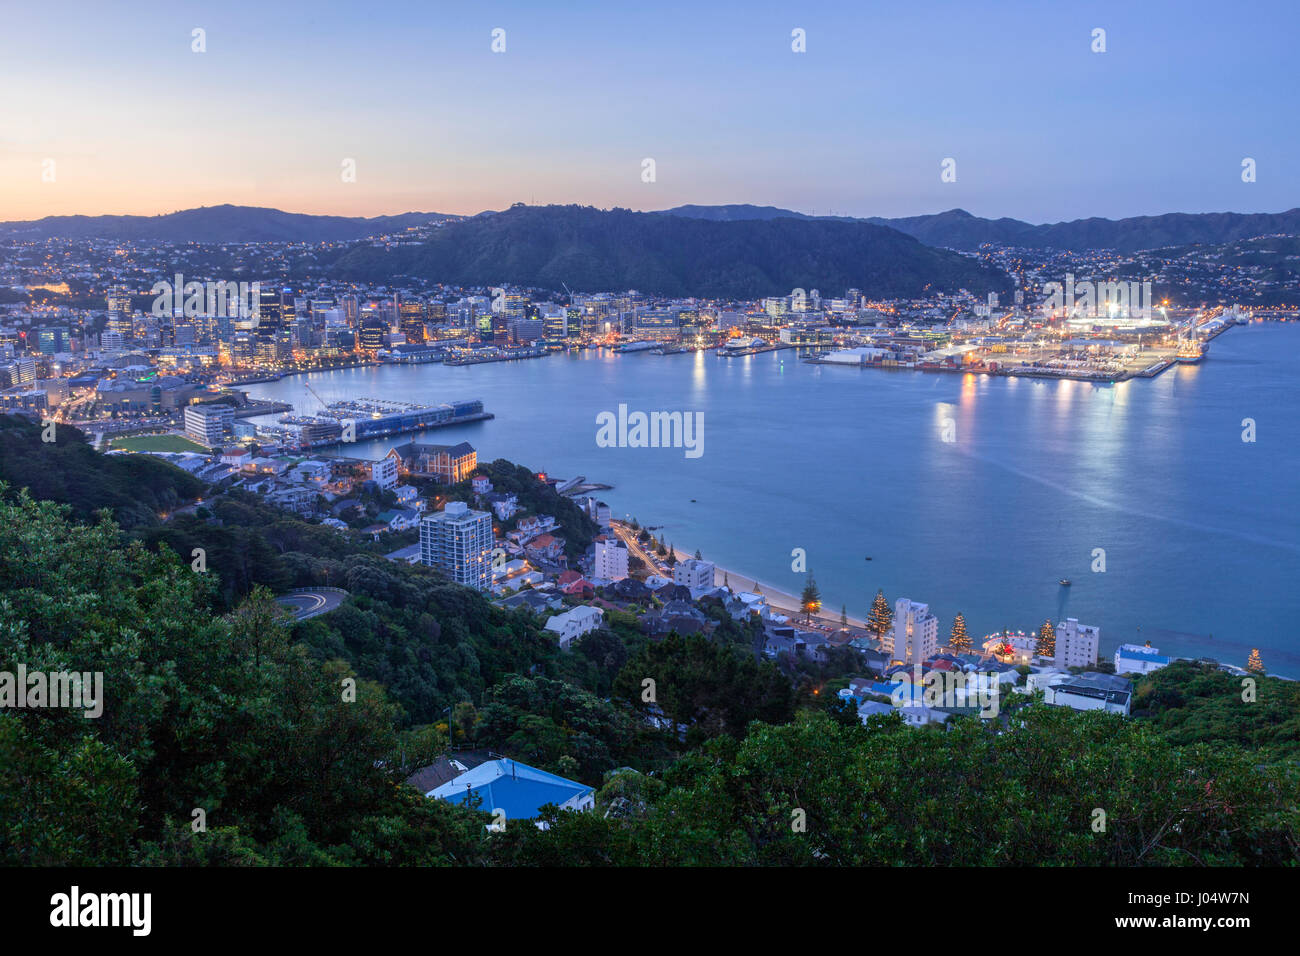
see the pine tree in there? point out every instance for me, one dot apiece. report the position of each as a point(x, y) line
point(1046, 646)
point(698, 556)
point(880, 618)
point(959, 640)
point(844, 615)
point(1254, 664)
point(811, 600)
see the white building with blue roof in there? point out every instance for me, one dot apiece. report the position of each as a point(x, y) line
point(515, 790)
point(1138, 659)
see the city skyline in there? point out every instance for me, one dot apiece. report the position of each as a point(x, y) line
point(1041, 128)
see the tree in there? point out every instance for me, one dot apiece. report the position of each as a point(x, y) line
point(880, 618)
point(1046, 646)
point(464, 719)
point(1254, 664)
point(811, 599)
point(1004, 650)
point(844, 615)
point(959, 640)
point(698, 556)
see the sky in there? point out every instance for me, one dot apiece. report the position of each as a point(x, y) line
point(107, 108)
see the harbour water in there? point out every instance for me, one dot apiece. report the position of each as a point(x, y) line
point(1199, 530)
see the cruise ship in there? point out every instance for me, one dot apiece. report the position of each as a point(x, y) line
point(1191, 352)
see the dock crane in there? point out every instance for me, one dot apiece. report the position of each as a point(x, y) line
point(324, 404)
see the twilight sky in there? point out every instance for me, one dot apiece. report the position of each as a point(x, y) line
point(1041, 128)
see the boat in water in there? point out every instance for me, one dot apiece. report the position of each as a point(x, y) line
point(1065, 582)
point(1191, 352)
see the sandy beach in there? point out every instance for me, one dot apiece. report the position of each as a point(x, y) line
point(777, 599)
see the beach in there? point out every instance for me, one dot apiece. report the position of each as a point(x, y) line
point(779, 600)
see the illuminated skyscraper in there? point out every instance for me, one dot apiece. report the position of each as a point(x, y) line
point(410, 320)
point(119, 312)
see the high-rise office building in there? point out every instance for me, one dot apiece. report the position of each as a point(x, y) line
point(410, 319)
point(269, 321)
point(458, 541)
point(370, 336)
point(209, 424)
point(119, 312)
point(54, 339)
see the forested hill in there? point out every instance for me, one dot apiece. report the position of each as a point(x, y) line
point(214, 699)
point(958, 229)
point(225, 223)
point(593, 250)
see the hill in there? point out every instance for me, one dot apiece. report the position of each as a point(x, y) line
point(590, 249)
point(224, 223)
point(958, 229)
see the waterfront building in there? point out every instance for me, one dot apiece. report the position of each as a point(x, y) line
point(915, 634)
point(611, 558)
point(1076, 644)
point(695, 574)
point(1138, 659)
point(370, 337)
point(458, 541)
point(411, 318)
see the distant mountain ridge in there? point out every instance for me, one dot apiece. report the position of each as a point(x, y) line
point(958, 229)
point(955, 228)
point(591, 249)
point(225, 223)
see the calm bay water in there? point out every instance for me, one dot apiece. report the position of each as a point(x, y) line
point(1201, 530)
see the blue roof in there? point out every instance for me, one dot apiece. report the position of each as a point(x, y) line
point(516, 788)
point(1137, 651)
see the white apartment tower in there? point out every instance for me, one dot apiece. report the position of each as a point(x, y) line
point(611, 558)
point(695, 574)
point(458, 542)
point(1076, 644)
point(915, 635)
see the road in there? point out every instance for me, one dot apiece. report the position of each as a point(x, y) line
point(310, 602)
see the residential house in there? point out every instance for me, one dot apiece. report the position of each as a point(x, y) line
point(1138, 659)
point(514, 791)
point(400, 519)
point(539, 602)
point(575, 623)
point(503, 505)
point(1092, 691)
point(545, 548)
